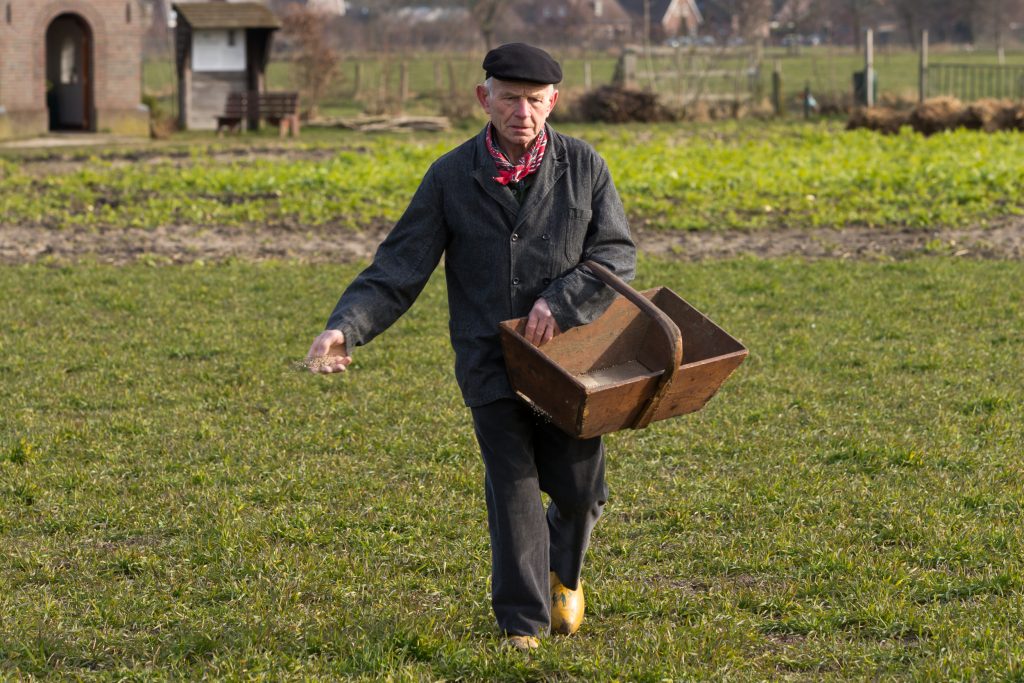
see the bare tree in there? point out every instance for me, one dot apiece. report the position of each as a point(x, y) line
point(857, 14)
point(1003, 14)
point(487, 14)
point(315, 62)
point(968, 20)
point(909, 14)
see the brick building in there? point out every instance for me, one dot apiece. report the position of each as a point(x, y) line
point(71, 65)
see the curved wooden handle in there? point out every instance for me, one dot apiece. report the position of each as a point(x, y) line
point(670, 334)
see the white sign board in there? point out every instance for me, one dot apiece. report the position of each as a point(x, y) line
point(218, 50)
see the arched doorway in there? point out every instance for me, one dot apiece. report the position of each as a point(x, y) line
point(69, 76)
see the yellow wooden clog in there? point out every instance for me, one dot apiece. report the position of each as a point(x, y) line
point(566, 607)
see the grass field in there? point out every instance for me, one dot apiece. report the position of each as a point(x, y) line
point(747, 175)
point(176, 503)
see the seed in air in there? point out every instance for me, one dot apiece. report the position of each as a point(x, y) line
point(316, 362)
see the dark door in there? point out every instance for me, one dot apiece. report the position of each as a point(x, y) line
point(69, 73)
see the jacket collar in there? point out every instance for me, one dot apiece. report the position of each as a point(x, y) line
point(551, 169)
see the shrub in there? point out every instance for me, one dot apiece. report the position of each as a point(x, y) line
point(614, 104)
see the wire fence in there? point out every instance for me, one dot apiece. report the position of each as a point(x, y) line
point(433, 83)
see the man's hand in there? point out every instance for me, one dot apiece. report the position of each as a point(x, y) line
point(329, 344)
point(541, 325)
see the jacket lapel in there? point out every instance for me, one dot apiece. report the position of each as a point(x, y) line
point(484, 174)
point(551, 170)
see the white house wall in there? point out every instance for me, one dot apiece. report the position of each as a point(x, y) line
point(218, 50)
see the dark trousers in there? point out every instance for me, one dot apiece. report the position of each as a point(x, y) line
point(523, 455)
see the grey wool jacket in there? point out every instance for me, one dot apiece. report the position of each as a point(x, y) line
point(499, 256)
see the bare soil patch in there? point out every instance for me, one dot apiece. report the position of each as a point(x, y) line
point(45, 162)
point(1003, 240)
point(186, 244)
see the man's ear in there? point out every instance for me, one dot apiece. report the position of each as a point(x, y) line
point(481, 97)
point(554, 98)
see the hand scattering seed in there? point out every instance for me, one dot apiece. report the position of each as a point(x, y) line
point(316, 362)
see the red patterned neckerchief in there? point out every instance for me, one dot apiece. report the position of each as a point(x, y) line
point(527, 164)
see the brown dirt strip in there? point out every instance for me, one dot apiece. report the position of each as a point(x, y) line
point(185, 244)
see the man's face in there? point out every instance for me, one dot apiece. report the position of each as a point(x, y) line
point(518, 111)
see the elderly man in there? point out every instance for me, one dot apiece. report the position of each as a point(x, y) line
point(515, 211)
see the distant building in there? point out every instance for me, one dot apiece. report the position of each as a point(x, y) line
point(219, 48)
point(71, 65)
point(422, 14)
point(606, 19)
point(668, 18)
point(587, 22)
point(335, 7)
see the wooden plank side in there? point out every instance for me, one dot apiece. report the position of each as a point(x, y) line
point(697, 383)
point(549, 387)
point(612, 339)
point(702, 338)
point(617, 407)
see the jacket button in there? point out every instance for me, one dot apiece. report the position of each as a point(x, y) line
point(544, 236)
point(515, 281)
point(515, 236)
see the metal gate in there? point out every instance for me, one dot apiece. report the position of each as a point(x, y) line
point(970, 82)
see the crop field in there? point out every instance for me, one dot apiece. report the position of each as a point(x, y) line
point(177, 502)
point(696, 177)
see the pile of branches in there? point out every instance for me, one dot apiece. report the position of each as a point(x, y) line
point(614, 104)
point(942, 113)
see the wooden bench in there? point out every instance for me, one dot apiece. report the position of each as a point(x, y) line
point(236, 110)
point(280, 109)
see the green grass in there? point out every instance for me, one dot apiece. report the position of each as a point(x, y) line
point(371, 82)
point(749, 175)
point(176, 503)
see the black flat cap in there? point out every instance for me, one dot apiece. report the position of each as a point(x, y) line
point(522, 62)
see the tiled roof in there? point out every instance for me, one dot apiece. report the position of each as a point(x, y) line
point(226, 15)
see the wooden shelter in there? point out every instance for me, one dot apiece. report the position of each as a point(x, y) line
point(220, 48)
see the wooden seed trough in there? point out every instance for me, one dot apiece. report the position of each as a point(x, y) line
point(628, 368)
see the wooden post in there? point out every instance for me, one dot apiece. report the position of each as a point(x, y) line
point(452, 85)
point(922, 69)
point(647, 29)
point(777, 104)
point(403, 86)
point(438, 81)
point(629, 69)
point(586, 75)
point(807, 100)
point(384, 86)
point(869, 68)
point(677, 68)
